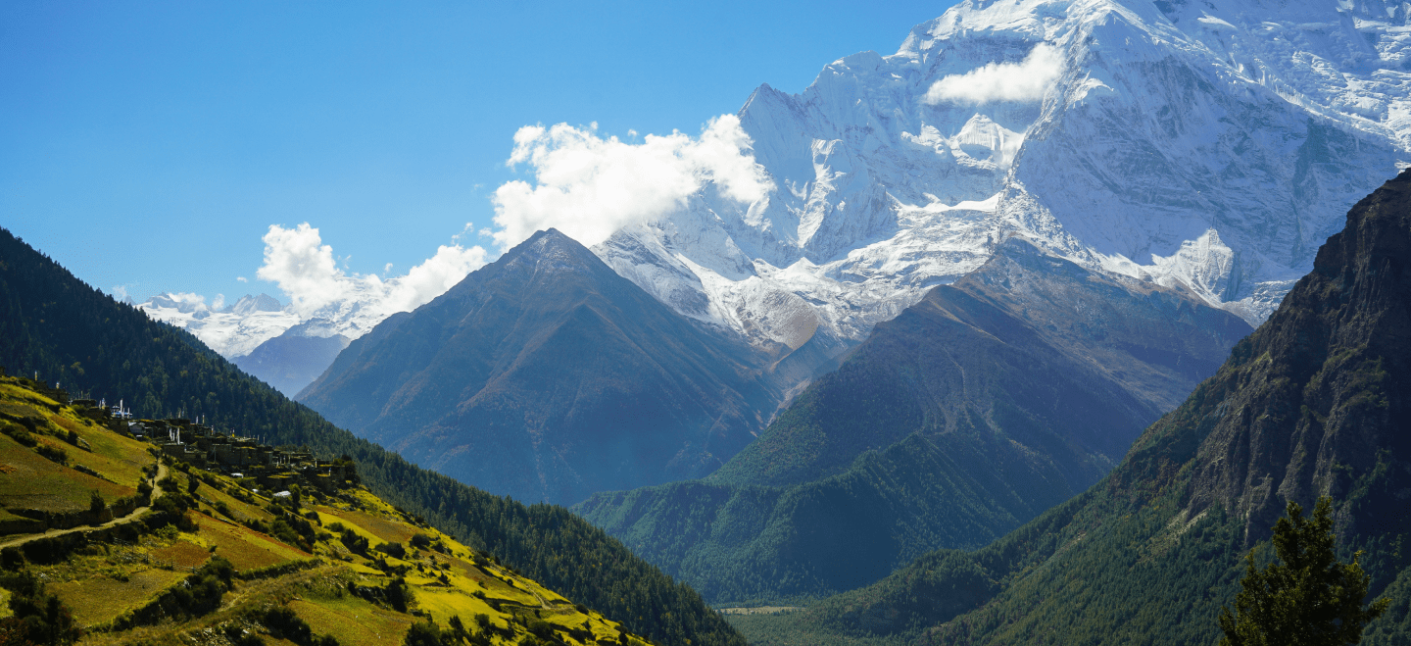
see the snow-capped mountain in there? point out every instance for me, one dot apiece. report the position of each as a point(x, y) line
point(232, 331)
point(237, 329)
point(1212, 145)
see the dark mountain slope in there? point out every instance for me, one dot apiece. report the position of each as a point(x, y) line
point(975, 410)
point(1315, 402)
point(292, 360)
point(53, 323)
point(546, 376)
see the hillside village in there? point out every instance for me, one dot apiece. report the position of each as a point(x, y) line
point(246, 459)
point(166, 531)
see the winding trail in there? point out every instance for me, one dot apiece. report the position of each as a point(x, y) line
point(156, 493)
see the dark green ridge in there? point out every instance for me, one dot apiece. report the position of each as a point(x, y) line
point(71, 333)
point(975, 410)
point(1314, 402)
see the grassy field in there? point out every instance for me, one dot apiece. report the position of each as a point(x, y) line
point(28, 480)
point(246, 548)
point(33, 482)
point(353, 621)
point(100, 599)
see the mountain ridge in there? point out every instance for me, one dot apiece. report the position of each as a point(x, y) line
point(1224, 123)
point(1305, 406)
point(547, 376)
point(967, 415)
point(54, 324)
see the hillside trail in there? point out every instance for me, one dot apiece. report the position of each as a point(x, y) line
point(156, 493)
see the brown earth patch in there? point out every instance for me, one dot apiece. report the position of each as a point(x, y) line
point(183, 554)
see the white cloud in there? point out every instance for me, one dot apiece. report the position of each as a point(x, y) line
point(242, 279)
point(588, 187)
point(305, 270)
point(1023, 81)
point(303, 267)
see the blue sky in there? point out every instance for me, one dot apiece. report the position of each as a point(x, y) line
point(150, 145)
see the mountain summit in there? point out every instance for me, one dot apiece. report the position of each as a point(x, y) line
point(1208, 145)
point(547, 376)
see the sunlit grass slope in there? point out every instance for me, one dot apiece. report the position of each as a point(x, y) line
point(351, 567)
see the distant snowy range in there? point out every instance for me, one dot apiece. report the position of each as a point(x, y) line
point(1205, 146)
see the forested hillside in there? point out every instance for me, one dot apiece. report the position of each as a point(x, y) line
point(988, 402)
point(53, 324)
point(1313, 403)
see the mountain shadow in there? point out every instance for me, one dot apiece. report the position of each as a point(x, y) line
point(969, 414)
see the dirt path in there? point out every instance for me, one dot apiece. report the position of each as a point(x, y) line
point(156, 493)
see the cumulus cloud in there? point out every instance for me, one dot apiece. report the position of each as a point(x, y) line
point(588, 187)
point(1026, 80)
point(305, 269)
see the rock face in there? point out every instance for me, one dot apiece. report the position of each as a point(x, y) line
point(1313, 403)
point(1317, 400)
point(1211, 145)
point(546, 376)
point(973, 411)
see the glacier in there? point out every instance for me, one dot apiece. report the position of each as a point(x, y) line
point(1209, 146)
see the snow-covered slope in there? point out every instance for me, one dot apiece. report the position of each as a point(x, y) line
point(1212, 145)
point(232, 331)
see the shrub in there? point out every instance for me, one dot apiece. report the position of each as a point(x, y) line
point(18, 433)
point(53, 453)
point(284, 624)
point(38, 617)
point(393, 549)
point(397, 594)
point(423, 633)
point(355, 543)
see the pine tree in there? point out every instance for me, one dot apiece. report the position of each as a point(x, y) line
point(1309, 598)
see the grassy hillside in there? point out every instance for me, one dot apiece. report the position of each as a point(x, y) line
point(52, 323)
point(332, 561)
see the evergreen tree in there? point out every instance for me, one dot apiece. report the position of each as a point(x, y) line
point(1309, 598)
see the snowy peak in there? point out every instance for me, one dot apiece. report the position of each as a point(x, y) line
point(1208, 146)
point(549, 250)
point(250, 304)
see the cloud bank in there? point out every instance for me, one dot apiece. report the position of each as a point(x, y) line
point(297, 261)
point(1026, 80)
point(588, 187)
